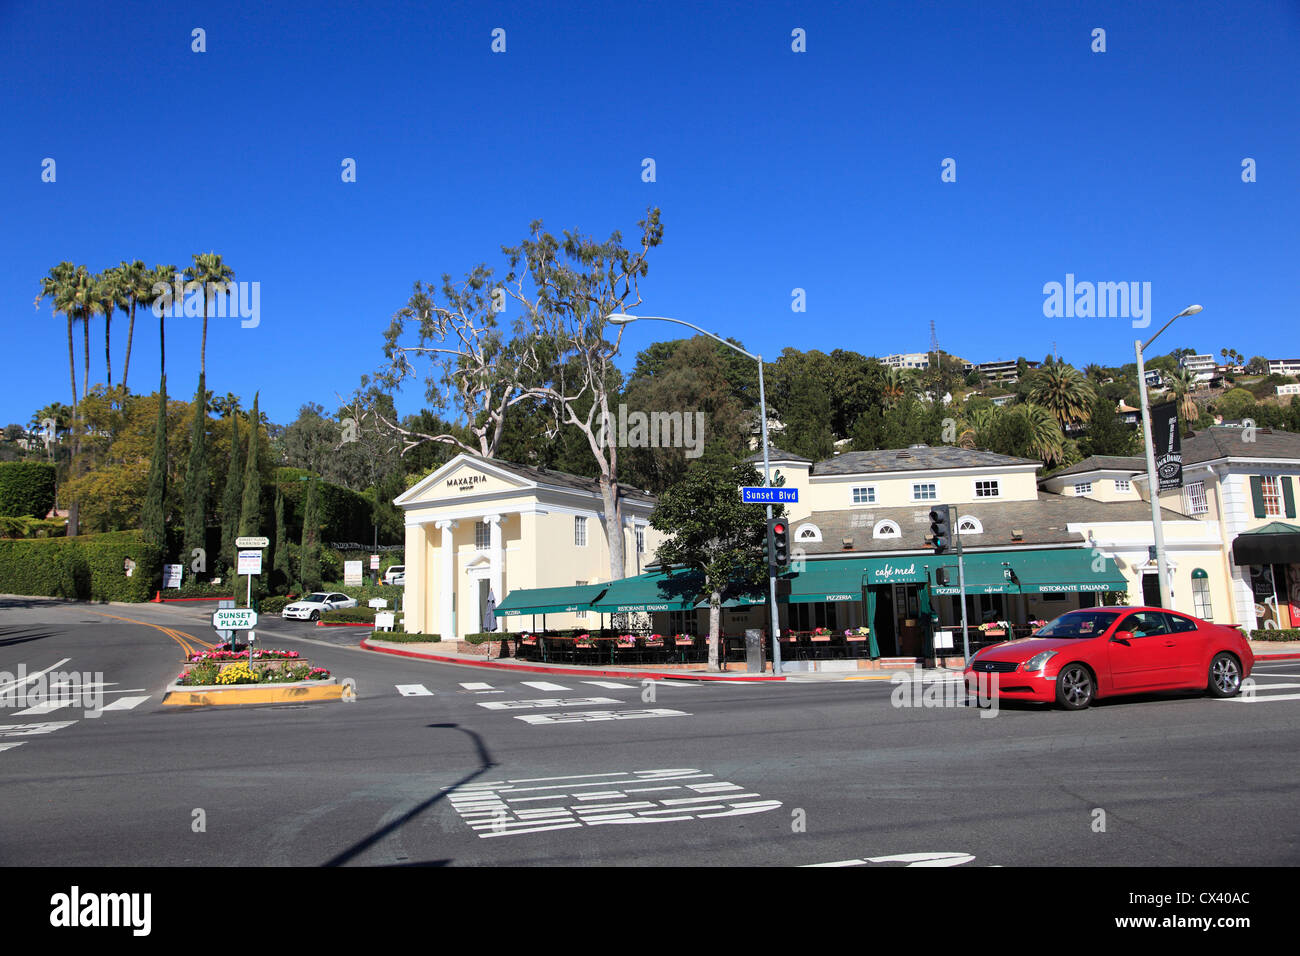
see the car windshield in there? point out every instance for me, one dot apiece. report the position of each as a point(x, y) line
point(317, 598)
point(1079, 624)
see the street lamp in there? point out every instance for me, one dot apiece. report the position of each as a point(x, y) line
point(1153, 482)
point(622, 318)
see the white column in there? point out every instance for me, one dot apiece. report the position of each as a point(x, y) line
point(447, 560)
point(496, 555)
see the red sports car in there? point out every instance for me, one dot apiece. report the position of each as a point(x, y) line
point(1108, 651)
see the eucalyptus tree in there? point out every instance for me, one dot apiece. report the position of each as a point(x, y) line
point(568, 287)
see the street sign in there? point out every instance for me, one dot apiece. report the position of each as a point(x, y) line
point(252, 542)
point(172, 575)
point(234, 619)
point(769, 496)
point(250, 562)
point(374, 562)
point(352, 573)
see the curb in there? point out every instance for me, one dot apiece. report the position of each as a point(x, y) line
point(294, 693)
point(1278, 657)
point(583, 672)
point(344, 624)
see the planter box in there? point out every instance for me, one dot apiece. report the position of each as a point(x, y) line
point(274, 664)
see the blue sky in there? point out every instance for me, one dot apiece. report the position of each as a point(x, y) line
point(775, 170)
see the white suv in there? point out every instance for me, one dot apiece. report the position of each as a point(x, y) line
point(395, 575)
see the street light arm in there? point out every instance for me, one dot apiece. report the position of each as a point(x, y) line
point(664, 318)
point(1190, 310)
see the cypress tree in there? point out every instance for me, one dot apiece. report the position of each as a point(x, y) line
point(196, 478)
point(310, 555)
point(250, 510)
point(281, 565)
point(230, 496)
point(153, 518)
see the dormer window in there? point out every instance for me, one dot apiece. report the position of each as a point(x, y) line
point(886, 529)
point(808, 532)
point(969, 524)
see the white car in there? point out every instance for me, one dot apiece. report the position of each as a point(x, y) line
point(314, 605)
point(395, 575)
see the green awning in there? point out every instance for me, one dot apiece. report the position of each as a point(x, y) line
point(577, 597)
point(827, 581)
point(1050, 571)
point(656, 591)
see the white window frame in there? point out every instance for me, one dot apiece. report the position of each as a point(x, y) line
point(1083, 487)
point(1202, 606)
point(807, 532)
point(640, 539)
point(1271, 490)
point(996, 490)
point(482, 536)
point(579, 531)
point(886, 528)
point(963, 519)
point(918, 485)
point(868, 497)
point(1195, 499)
point(1123, 484)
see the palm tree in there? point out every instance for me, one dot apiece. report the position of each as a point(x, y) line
point(1064, 392)
point(111, 296)
point(213, 275)
point(898, 384)
point(137, 288)
point(79, 297)
point(161, 276)
point(1183, 383)
point(1046, 439)
point(52, 287)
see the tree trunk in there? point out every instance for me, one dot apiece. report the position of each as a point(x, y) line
point(85, 331)
point(613, 528)
point(73, 511)
point(108, 360)
point(715, 621)
point(203, 345)
point(130, 337)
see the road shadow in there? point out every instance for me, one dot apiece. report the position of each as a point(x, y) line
point(486, 763)
point(22, 635)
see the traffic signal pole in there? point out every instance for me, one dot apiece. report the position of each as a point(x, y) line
point(961, 586)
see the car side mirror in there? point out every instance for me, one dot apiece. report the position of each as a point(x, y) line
point(1122, 637)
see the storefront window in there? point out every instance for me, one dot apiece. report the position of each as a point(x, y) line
point(1201, 595)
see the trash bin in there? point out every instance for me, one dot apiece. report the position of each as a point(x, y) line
point(754, 651)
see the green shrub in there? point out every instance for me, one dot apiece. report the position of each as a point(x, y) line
point(402, 637)
point(344, 514)
point(350, 615)
point(190, 588)
point(26, 488)
point(488, 636)
point(272, 605)
point(1276, 634)
point(88, 567)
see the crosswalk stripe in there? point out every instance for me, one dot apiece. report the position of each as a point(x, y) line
point(12, 746)
point(1261, 698)
point(126, 703)
point(413, 690)
point(476, 686)
point(543, 685)
point(609, 684)
point(30, 730)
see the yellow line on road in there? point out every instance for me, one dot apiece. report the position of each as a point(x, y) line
point(178, 636)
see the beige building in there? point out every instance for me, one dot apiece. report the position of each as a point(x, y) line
point(479, 528)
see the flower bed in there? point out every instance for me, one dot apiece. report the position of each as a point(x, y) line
point(224, 665)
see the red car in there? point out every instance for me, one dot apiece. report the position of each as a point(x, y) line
point(1109, 651)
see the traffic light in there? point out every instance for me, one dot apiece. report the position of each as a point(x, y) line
point(778, 542)
point(941, 577)
point(940, 528)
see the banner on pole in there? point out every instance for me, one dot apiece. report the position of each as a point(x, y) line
point(1168, 445)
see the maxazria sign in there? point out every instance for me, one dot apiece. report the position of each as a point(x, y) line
point(466, 482)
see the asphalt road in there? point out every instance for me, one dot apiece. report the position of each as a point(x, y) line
point(467, 766)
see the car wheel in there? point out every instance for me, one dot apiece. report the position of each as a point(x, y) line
point(1075, 687)
point(1225, 676)
point(315, 616)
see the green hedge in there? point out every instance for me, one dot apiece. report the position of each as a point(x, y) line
point(350, 615)
point(401, 637)
point(488, 636)
point(344, 514)
point(1276, 634)
point(88, 567)
point(26, 488)
point(273, 605)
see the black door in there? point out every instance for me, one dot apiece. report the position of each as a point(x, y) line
point(1151, 590)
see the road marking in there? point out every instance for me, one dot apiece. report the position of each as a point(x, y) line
point(908, 859)
point(583, 717)
point(476, 686)
point(4, 747)
point(610, 685)
point(543, 685)
point(32, 676)
point(490, 809)
point(546, 702)
point(31, 730)
point(126, 703)
point(1259, 686)
point(413, 690)
point(1260, 699)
